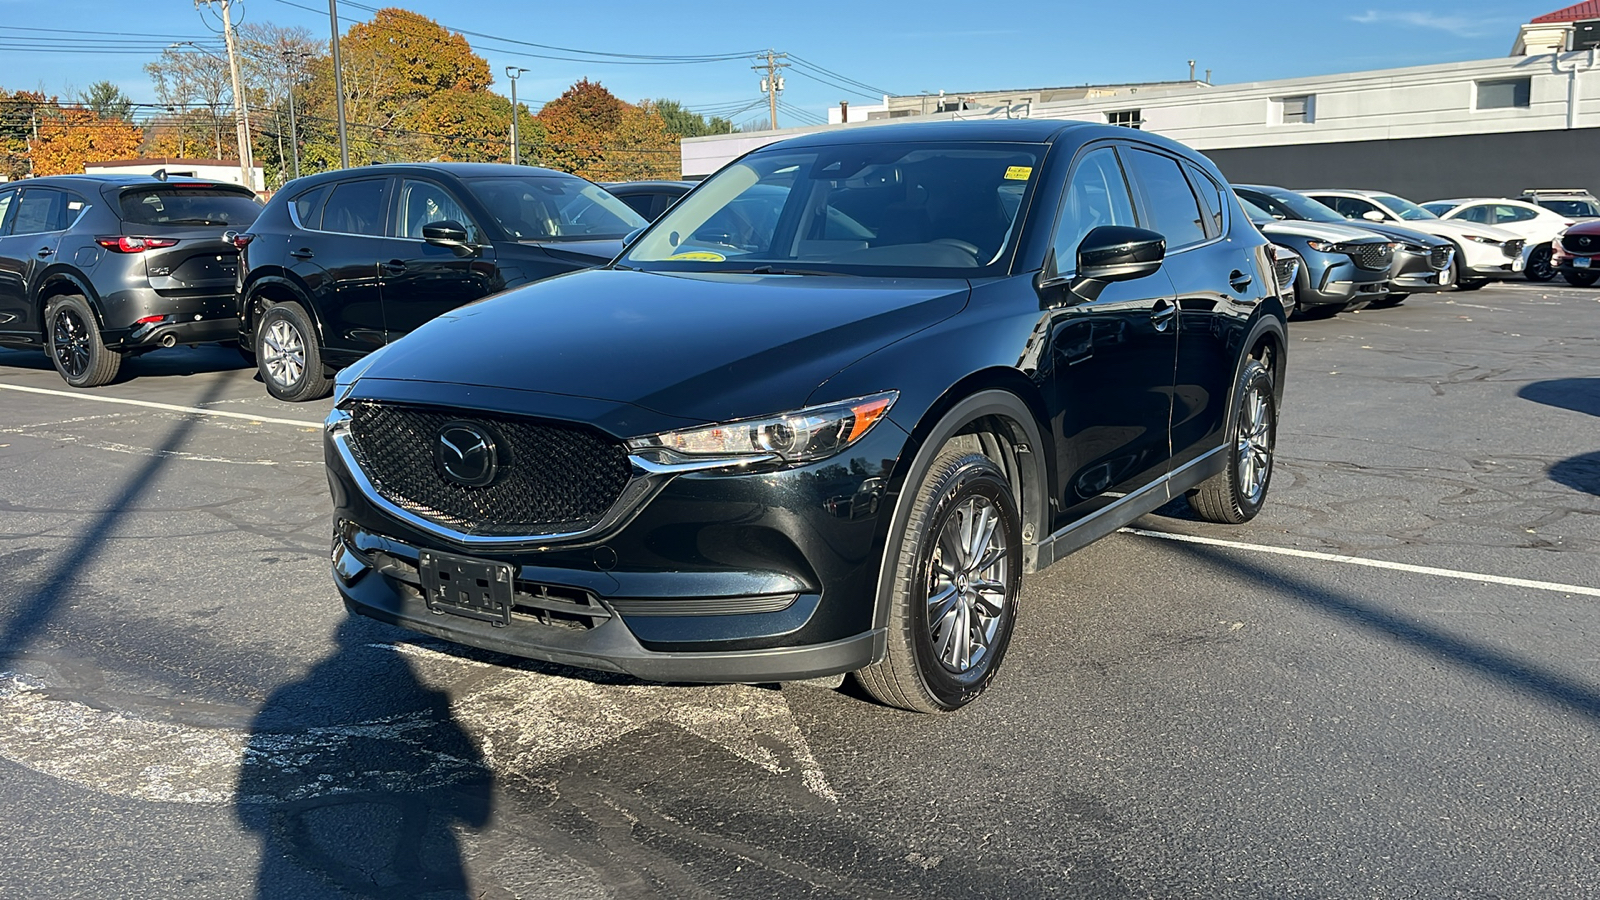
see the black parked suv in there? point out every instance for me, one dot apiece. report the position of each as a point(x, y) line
point(94, 268)
point(649, 198)
point(824, 414)
point(344, 262)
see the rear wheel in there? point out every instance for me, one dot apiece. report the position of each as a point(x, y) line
point(1235, 494)
point(1539, 267)
point(1581, 279)
point(287, 355)
point(75, 346)
point(957, 573)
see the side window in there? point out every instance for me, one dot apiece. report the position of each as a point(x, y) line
point(1479, 214)
point(423, 203)
point(74, 209)
point(356, 207)
point(39, 211)
point(1096, 195)
point(1171, 204)
point(1352, 207)
point(5, 210)
point(308, 207)
point(643, 204)
point(1505, 213)
point(1211, 202)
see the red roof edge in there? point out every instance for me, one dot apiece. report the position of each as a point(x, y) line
point(1577, 12)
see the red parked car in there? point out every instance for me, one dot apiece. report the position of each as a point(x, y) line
point(1577, 254)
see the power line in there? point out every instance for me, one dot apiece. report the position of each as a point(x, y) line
point(806, 63)
point(848, 90)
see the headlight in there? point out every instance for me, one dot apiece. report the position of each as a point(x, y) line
point(802, 436)
point(1328, 246)
point(1482, 240)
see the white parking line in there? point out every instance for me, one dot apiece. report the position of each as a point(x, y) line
point(193, 410)
point(1371, 563)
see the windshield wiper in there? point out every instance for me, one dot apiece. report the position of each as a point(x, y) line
point(193, 222)
point(769, 270)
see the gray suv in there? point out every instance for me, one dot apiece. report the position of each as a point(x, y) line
point(95, 268)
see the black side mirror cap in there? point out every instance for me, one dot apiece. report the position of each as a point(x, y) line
point(448, 233)
point(1119, 253)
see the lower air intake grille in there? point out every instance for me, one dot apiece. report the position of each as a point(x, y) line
point(1440, 257)
point(551, 479)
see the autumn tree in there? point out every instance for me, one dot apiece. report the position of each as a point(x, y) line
point(592, 133)
point(197, 91)
point(18, 112)
point(71, 136)
point(686, 123)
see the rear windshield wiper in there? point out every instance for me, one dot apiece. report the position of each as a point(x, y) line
point(193, 222)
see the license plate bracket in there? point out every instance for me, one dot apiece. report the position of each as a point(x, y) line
point(1581, 262)
point(463, 586)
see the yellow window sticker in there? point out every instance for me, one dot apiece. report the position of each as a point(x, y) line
point(698, 256)
point(1018, 173)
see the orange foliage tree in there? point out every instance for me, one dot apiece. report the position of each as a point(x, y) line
point(590, 132)
point(70, 136)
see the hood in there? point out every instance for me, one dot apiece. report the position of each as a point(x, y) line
point(1453, 228)
point(1320, 231)
point(587, 253)
point(706, 347)
point(1401, 233)
point(1584, 226)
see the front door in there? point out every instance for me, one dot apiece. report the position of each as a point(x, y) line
point(423, 280)
point(1112, 358)
point(28, 244)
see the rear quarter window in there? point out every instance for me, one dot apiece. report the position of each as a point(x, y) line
point(183, 206)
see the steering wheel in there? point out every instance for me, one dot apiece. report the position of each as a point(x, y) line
point(959, 244)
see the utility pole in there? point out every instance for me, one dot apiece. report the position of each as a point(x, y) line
point(514, 72)
point(338, 85)
point(241, 110)
point(772, 83)
point(290, 59)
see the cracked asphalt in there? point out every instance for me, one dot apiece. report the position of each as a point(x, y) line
point(186, 711)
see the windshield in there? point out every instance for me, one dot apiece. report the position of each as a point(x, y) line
point(1289, 205)
point(848, 209)
point(189, 206)
point(1405, 209)
point(1256, 213)
point(1571, 208)
point(550, 208)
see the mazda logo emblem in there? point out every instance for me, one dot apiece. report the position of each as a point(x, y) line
point(466, 454)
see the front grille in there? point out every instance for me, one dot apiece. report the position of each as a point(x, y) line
point(552, 479)
point(1284, 269)
point(1581, 243)
point(1514, 248)
point(1440, 257)
point(1376, 255)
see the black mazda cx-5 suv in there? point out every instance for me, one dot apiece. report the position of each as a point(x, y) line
point(824, 414)
point(344, 262)
point(97, 268)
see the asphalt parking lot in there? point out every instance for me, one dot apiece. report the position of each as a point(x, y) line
point(1387, 685)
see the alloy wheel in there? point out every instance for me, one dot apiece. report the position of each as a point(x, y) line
point(283, 353)
point(71, 338)
point(967, 585)
point(1253, 450)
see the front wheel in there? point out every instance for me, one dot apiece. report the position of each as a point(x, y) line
point(1235, 494)
point(1581, 279)
point(287, 355)
point(957, 573)
point(1539, 267)
point(80, 356)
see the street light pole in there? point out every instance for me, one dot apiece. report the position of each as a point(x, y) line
point(513, 72)
point(338, 85)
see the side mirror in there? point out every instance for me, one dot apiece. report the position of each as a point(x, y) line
point(448, 233)
point(630, 237)
point(1373, 215)
point(1111, 253)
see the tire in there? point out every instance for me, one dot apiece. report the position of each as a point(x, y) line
point(75, 347)
point(1539, 267)
point(1581, 279)
point(288, 358)
point(1234, 495)
point(933, 663)
point(1389, 300)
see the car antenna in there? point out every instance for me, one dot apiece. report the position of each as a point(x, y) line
point(159, 174)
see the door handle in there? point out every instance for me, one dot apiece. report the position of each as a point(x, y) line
point(1162, 314)
point(1239, 280)
point(46, 251)
point(302, 253)
point(395, 266)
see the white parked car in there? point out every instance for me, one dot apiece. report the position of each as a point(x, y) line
point(1483, 253)
point(1537, 225)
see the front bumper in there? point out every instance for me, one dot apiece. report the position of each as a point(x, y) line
point(1334, 279)
point(1489, 261)
point(1414, 273)
point(742, 576)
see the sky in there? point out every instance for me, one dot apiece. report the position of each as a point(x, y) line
point(862, 49)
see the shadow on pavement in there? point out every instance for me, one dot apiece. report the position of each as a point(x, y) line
point(57, 584)
point(1581, 473)
point(369, 808)
point(1548, 685)
point(1577, 394)
point(180, 360)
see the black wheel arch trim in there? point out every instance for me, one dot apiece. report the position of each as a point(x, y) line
point(247, 321)
point(79, 284)
point(944, 420)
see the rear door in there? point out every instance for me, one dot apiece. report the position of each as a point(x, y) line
point(345, 245)
point(422, 280)
point(1112, 357)
point(28, 245)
